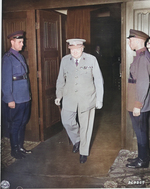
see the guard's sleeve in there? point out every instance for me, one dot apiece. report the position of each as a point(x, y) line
point(7, 83)
point(98, 81)
point(60, 83)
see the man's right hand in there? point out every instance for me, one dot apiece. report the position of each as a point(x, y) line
point(57, 101)
point(136, 111)
point(11, 104)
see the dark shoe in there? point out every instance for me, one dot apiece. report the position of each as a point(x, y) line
point(138, 164)
point(24, 151)
point(76, 147)
point(131, 160)
point(83, 159)
point(17, 155)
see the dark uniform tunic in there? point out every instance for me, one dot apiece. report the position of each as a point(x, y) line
point(18, 90)
point(138, 87)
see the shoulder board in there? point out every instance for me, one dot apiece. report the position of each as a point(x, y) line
point(8, 54)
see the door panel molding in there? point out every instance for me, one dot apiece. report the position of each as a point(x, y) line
point(51, 69)
point(142, 20)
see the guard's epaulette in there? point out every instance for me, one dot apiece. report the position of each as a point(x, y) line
point(8, 54)
point(142, 53)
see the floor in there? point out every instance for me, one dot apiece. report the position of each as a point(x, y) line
point(53, 165)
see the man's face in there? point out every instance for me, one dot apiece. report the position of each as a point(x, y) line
point(132, 43)
point(77, 52)
point(17, 44)
point(148, 45)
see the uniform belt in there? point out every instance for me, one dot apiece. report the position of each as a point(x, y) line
point(131, 80)
point(19, 77)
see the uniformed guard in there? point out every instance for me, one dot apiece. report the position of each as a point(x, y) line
point(15, 93)
point(138, 97)
point(80, 87)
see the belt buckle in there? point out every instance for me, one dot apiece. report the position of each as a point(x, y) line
point(25, 76)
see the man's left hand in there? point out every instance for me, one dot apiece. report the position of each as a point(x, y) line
point(136, 111)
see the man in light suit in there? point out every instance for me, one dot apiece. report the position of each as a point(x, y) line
point(80, 86)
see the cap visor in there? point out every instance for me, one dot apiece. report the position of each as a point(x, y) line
point(130, 36)
point(74, 46)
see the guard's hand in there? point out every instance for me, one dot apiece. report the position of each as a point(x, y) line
point(136, 111)
point(99, 105)
point(11, 104)
point(57, 101)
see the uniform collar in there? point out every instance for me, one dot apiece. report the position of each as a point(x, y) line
point(14, 51)
point(77, 59)
point(81, 58)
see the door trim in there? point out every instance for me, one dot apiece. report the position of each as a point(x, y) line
point(39, 75)
point(123, 75)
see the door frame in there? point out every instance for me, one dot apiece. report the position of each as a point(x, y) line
point(41, 125)
point(123, 75)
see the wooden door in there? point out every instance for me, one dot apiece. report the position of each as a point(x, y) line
point(25, 20)
point(137, 17)
point(48, 40)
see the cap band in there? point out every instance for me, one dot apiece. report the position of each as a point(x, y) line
point(74, 46)
point(18, 37)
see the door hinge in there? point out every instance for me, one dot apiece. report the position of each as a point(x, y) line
point(122, 20)
point(36, 25)
point(38, 74)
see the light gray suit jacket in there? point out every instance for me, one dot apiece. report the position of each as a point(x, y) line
point(79, 86)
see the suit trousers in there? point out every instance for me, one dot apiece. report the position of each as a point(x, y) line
point(141, 128)
point(81, 130)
